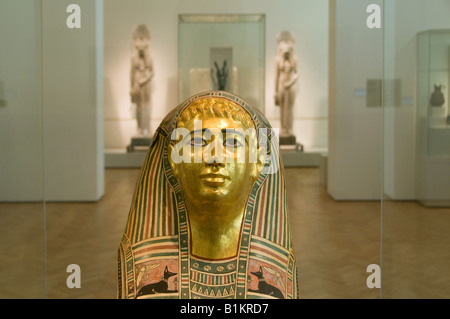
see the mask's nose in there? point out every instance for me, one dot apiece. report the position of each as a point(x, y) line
point(213, 152)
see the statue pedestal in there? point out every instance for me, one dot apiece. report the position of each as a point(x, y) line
point(437, 111)
point(288, 142)
point(139, 144)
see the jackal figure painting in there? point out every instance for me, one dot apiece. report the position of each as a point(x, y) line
point(209, 217)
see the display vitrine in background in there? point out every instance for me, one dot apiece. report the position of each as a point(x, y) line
point(222, 52)
point(433, 127)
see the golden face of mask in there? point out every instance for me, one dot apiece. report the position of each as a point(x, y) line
point(216, 160)
point(226, 173)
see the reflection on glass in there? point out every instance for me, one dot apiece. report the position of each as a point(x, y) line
point(416, 208)
point(22, 273)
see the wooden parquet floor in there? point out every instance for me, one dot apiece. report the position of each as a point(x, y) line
point(334, 243)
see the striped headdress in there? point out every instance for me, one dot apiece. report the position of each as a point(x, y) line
point(154, 260)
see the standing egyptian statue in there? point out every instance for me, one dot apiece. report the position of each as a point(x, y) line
point(141, 73)
point(286, 76)
point(209, 218)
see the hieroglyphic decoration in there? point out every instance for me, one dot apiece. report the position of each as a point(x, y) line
point(155, 260)
point(210, 279)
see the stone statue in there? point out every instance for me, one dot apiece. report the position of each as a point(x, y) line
point(140, 77)
point(209, 215)
point(286, 76)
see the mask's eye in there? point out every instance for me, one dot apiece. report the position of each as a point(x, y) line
point(232, 142)
point(198, 141)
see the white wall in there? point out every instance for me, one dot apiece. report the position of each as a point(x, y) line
point(404, 20)
point(355, 136)
point(307, 19)
point(72, 97)
point(21, 158)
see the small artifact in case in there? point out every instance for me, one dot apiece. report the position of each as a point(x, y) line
point(437, 97)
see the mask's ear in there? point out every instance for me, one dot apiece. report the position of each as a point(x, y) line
point(260, 162)
point(172, 163)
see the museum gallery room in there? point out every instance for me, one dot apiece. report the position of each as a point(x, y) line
point(256, 149)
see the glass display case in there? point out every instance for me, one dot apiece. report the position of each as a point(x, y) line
point(433, 126)
point(65, 101)
point(416, 167)
point(222, 52)
point(22, 207)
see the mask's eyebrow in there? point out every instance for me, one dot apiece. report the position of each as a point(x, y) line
point(233, 131)
point(224, 131)
point(194, 132)
point(198, 131)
